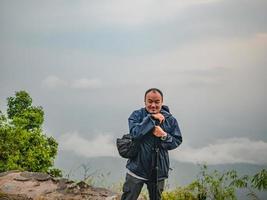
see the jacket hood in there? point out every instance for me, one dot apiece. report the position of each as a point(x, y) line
point(166, 108)
point(165, 111)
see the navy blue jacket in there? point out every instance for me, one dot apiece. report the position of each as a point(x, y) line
point(141, 125)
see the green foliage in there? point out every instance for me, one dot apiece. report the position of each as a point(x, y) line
point(55, 172)
point(208, 186)
point(180, 193)
point(23, 145)
point(218, 186)
point(22, 113)
point(19, 103)
point(259, 180)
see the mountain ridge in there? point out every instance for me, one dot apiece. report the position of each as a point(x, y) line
point(181, 173)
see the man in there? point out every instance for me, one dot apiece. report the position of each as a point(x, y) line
point(154, 128)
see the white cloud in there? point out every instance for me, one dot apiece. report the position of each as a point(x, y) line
point(227, 151)
point(101, 145)
point(210, 61)
point(84, 14)
point(137, 12)
point(53, 82)
point(212, 52)
point(85, 83)
point(233, 150)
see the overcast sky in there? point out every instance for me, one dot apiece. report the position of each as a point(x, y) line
point(89, 62)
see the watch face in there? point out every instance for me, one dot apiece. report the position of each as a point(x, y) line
point(163, 138)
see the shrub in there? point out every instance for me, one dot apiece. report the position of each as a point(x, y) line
point(23, 145)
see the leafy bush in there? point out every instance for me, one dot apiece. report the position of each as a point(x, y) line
point(218, 186)
point(180, 193)
point(23, 145)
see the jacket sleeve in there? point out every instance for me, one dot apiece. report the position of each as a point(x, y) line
point(139, 125)
point(174, 137)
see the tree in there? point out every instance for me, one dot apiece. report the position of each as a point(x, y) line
point(22, 113)
point(23, 145)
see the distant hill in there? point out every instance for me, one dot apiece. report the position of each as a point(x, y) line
point(181, 173)
point(113, 169)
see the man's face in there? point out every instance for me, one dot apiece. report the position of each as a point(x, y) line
point(153, 102)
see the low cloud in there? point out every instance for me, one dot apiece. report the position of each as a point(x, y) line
point(85, 14)
point(120, 12)
point(102, 145)
point(54, 82)
point(83, 83)
point(227, 151)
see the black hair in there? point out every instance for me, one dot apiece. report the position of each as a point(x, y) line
point(154, 90)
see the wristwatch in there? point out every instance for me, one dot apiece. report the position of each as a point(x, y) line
point(163, 137)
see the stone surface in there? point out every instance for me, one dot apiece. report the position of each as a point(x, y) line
point(17, 185)
point(36, 175)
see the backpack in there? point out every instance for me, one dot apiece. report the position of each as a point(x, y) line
point(127, 146)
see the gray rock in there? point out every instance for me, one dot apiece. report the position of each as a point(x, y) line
point(21, 178)
point(14, 197)
point(12, 187)
point(114, 197)
point(8, 187)
point(36, 175)
point(9, 172)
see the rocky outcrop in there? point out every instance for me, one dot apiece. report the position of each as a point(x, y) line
point(15, 185)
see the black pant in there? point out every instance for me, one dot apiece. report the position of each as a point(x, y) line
point(133, 186)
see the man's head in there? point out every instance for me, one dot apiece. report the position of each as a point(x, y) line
point(153, 100)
